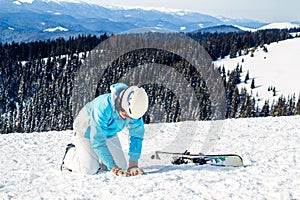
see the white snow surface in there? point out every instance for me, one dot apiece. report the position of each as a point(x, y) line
point(279, 68)
point(270, 147)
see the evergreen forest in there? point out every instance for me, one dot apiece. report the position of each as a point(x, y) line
point(37, 80)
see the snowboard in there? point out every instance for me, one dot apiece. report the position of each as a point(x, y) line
point(224, 160)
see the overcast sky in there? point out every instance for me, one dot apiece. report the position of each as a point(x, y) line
point(263, 10)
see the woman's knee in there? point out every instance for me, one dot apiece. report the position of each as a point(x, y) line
point(90, 169)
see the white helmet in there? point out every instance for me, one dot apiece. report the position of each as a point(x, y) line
point(134, 101)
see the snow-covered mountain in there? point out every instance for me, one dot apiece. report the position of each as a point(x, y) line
point(282, 25)
point(29, 165)
point(275, 65)
point(30, 20)
point(25, 20)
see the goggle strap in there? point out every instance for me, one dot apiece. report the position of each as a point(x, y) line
point(118, 103)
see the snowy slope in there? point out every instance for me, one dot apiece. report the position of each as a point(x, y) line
point(279, 67)
point(29, 165)
point(279, 25)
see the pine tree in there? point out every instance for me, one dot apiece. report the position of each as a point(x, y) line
point(242, 103)
point(19, 121)
point(291, 105)
point(234, 103)
point(252, 84)
point(265, 49)
point(265, 110)
point(248, 107)
point(274, 92)
point(233, 52)
point(247, 77)
point(272, 109)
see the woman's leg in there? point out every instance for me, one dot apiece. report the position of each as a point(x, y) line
point(82, 157)
point(88, 161)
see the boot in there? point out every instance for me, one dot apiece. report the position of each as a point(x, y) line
point(69, 146)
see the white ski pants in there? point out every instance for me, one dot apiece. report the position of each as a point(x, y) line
point(83, 158)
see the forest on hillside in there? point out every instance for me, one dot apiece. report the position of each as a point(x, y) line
point(37, 80)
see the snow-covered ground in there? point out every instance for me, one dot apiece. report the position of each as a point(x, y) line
point(270, 147)
point(279, 68)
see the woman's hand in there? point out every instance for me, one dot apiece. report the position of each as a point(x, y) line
point(135, 170)
point(119, 172)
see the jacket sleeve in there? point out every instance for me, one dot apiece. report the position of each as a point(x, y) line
point(136, 133)
point(99, 129)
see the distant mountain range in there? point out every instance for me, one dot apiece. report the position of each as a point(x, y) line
point(23, 21)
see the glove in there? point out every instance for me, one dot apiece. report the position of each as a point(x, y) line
point(119, 172)
point(135, 170)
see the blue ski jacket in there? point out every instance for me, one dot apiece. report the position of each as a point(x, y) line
point(106, 122)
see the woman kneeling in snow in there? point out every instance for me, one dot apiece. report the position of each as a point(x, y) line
point(96, 143)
